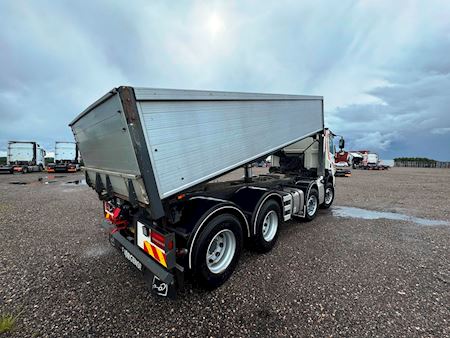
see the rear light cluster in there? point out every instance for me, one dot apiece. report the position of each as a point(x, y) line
point(160, 240)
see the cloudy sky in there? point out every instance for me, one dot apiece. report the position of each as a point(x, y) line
point(382, 66)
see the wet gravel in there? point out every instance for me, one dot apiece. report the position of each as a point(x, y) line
point(335, 276)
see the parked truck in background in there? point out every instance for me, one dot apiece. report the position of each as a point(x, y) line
point(24, 157)
point(67, 158)
point(371, 160)
point(342, 158)
point(342, 161)
point(367, 161)
point(152, 155)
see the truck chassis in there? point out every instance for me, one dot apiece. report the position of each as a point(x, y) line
point(257, 206)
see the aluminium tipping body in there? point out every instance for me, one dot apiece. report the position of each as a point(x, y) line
point(149, 144)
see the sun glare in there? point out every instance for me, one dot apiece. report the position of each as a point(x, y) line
point(215, 25)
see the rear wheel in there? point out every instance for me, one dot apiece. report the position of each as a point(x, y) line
point(25, 170)
point(267, 227)
point(312, 205)
point(329, 196)
point(217, 251)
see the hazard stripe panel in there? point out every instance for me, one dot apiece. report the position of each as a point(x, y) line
point(156, 253)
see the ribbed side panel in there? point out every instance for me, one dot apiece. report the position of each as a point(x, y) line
point(192, 141)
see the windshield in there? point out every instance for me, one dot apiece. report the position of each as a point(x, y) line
point(331, 143)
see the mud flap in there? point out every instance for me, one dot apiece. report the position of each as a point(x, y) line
point(158, 287)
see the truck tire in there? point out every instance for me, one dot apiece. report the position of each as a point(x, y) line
point(329, 196)
point(41, 168)
point(25, 170)
point(217, 251)
point(312, 205)
point(267, 227)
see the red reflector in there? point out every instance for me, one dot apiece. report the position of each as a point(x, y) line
point(170, 245)
point(157, 239)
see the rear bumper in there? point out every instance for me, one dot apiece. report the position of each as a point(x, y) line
point(60, 168)
point(343, 173)
point(146, 261)
point(165, 283)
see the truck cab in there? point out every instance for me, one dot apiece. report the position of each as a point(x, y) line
point(24, 157)
point(310, 158)
point(67, 158)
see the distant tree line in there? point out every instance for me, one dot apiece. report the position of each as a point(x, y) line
point(2, 160)
point(419, 162)
point(414, 159)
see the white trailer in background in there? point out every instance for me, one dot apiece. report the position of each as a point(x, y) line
point(151, 155)
point(24, 157)
point(368, 161)
point(67, 158)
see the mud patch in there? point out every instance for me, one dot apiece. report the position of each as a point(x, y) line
point(97, 251)
point(372, 214)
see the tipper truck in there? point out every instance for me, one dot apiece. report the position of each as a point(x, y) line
point(24, 157)
point(153, 156)
point(66, 158)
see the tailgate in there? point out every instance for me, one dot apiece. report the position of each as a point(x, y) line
point(105, 144)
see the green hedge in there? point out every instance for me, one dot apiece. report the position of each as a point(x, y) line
point(49, 160)
point(415, 159)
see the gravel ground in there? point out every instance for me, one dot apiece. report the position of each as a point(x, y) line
point(335, 276)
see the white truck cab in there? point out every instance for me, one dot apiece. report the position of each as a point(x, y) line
point(24, 157)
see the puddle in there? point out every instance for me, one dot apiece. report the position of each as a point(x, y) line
point(51, 177)
point(40, 180)
point(372, 214)
point(77, 182)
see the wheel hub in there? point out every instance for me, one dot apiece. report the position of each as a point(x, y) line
point(312, 205)
point(328, 195)
point(270, 226)
point(221, 251)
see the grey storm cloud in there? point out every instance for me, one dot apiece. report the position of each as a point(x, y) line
point(381, 66)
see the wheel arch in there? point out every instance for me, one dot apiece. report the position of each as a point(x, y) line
point(214, 212)
point(277, 197)
point(330, 179)
point(312, 185)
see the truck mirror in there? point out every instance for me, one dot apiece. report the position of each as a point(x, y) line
point(341, 143)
